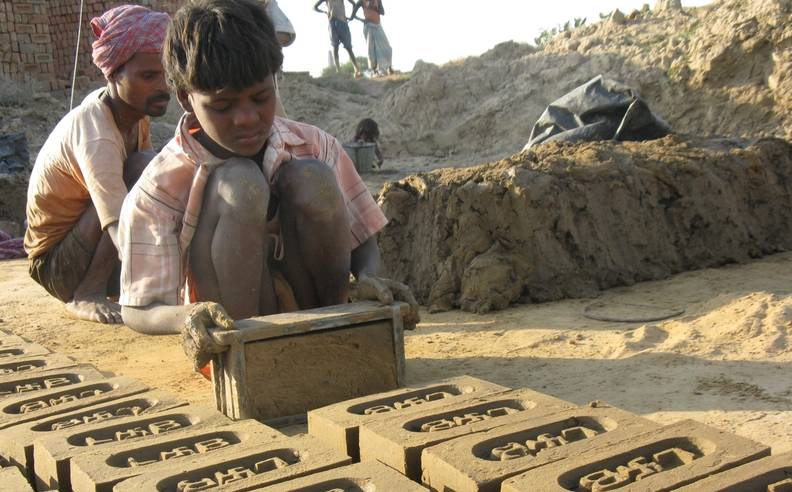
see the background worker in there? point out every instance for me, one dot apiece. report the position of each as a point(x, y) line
point(380, 53)
point(90, 160)
point(339, 30)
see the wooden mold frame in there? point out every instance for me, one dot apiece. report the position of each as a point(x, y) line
point(230, 368)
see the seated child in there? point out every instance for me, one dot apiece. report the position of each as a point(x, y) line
point(241, 203)
point(368, 131)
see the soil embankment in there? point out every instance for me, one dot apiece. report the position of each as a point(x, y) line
point(568, 220)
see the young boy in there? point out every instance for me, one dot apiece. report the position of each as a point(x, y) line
point(241, 199)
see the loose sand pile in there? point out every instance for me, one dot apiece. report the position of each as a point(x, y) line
point(565, 220)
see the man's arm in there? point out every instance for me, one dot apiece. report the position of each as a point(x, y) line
point(355, 9)
point(381, 8)
point(316, 7)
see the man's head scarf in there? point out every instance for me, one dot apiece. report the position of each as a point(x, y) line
point(123, 31)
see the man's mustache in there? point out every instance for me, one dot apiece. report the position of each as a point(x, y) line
point(164, 97)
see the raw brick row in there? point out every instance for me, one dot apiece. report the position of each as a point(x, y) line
point(68, 427)
point(521, 440)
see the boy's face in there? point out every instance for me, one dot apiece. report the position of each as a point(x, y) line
point(140, 83)
point(238, 121)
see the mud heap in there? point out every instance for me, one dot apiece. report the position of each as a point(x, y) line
point(567, 220)
point(723, 69)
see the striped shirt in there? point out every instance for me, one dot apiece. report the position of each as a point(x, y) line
point(160, 215)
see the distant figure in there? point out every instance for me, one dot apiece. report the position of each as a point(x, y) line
point(339, 30)
point(368, 131)
point(379, 49)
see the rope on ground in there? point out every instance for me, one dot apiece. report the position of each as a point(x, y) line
point(655, 313)
point(76, 54)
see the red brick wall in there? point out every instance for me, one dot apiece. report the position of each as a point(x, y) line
point(37, 39)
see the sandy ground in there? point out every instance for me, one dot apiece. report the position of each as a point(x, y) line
point(726, 361)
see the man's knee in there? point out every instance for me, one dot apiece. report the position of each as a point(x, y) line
point(239, 187)
point(310, 187)
point(135, 165)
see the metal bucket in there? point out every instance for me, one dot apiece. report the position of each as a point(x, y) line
point(362, 154)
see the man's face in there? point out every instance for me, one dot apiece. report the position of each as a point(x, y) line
point(140, 83)
point(238, 121)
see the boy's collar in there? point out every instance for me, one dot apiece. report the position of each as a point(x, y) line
point(280, 136)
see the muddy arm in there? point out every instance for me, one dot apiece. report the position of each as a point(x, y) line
point(155, 319)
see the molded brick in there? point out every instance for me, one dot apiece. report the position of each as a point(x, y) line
point(660, 460)
point(12, 480)
point(31, 365)
point(8, 354)
point(338, 424)
point(17, 442)
point(480, 462)
point(399, 441)
point(17, 384)
point(243, 469)
point(52, 454)
point(99, 471)
point(773, 474)
point(11, 340)
point(369, 476)
point(42, 404)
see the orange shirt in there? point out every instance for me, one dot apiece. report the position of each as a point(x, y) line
point(81, 162)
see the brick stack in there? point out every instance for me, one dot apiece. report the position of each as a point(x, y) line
point(25, 44)
point(37, 40)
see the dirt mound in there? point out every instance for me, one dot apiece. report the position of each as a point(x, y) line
point(567, 220)
point(722, 70)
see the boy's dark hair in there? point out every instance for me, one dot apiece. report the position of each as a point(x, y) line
point(217, 44)
point(367, 130)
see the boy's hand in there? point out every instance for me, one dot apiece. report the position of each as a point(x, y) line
point(198, 344)
point(384, 290)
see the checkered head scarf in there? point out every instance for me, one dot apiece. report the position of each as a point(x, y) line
point(123, 31)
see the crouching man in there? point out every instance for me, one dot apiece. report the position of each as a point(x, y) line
point(242, 211)
point(89, 161)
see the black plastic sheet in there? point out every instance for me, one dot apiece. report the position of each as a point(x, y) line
point(600, 109)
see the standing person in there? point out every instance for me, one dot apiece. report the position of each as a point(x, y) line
point(242, 210)
point(379, 49)
point(90, 160)
point(339, 30)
